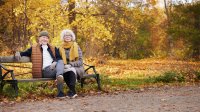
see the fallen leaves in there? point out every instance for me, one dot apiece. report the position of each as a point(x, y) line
point(113, 71)
point(145, 68)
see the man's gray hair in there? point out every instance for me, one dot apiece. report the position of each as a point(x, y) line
point(64, 32)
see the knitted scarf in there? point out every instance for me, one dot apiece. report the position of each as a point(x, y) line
point(73, 54)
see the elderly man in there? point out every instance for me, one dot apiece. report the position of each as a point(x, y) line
point(46, 61)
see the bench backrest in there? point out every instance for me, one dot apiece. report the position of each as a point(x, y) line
point(11, 59)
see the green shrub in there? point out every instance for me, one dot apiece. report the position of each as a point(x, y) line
point(8, 91)
point(197, 73)
point(168, 77)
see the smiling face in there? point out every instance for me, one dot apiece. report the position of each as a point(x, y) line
point(43, 40)
point(67, 37)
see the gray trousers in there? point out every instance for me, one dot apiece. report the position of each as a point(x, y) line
point(53, 73)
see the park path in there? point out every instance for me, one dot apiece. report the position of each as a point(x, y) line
point(164, 99)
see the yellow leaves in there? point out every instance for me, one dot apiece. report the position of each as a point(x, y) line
point(153, 2)
point(126, 25)
point(18, 99)
point(72, 0)
point(33, 39)
point(91, 27)
point(19, 10)
point(140, 69)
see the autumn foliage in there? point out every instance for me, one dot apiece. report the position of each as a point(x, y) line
point(121, 29)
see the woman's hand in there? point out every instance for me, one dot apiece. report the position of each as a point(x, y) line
point(67, 66)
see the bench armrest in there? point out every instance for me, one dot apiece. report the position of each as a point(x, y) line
point(90, 67)
point(5, 68)
point(7, 72)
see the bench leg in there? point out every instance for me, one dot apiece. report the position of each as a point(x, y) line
point(98, 81)
point(1, 86)
point(82, 82)
point(15, 86)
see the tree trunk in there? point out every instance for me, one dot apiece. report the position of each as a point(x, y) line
point(25, 23)
point(196, 52)
point(72, 14)
point(169, 37)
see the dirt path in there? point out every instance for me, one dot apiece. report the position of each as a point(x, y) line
point(165, 99)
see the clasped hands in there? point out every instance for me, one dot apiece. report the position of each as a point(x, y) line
point(67, 66)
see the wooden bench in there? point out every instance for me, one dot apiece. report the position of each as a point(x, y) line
point(14, 82)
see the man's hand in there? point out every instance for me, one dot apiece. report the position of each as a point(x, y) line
point(53, 65)
point(55, 81)
point(17, 56)
point(67, 66)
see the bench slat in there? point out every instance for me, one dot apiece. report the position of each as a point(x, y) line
point(89, 75)
point(35, 79)
point(11, 59)
point(49, 79)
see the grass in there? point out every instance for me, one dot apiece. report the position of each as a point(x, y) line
point(120, 83)
point(169, 77)
point(197, 73)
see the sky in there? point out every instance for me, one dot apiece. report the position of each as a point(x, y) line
point(161, 2)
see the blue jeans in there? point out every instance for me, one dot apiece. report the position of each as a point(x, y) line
point(53, 73)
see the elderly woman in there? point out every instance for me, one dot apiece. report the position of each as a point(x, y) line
point(71, 55)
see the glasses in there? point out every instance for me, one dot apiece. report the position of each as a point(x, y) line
point(67, 35)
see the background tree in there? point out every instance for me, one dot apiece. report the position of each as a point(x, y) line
point(121, 29)
point(185, 25)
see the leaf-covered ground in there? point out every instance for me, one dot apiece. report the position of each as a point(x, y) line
point(116, 75)
point(146, 68)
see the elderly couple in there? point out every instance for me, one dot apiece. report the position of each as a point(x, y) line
point(65, 63)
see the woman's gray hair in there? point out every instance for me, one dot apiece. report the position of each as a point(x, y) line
point(64, 32)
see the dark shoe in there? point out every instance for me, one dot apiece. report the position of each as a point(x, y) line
point(71, 95)
point(60, 95)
